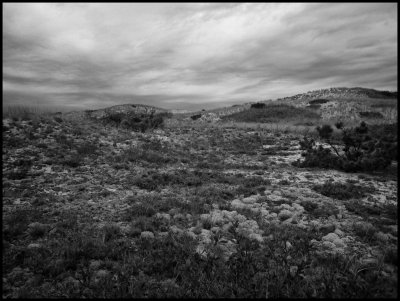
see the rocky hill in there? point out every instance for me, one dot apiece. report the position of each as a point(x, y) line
point(347, 103)
point(124, 109)
point(344, 93)
point(334, 103)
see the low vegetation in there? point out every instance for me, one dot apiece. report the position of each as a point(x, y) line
point(371, 114)
point(343, 191)
point(135, 121)
point(272, 113)
point(318, 101)
point(213, 211)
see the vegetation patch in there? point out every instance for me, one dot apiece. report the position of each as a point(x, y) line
point(272, 113)
point(343, 191)
point(135, 121)
point(258, 105)
point(195, 117)
point(318, 101)
point(371, 114)
point(361, 151)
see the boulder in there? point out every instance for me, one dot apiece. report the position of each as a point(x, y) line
point(147, 235)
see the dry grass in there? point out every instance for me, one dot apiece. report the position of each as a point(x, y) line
point(24, 112)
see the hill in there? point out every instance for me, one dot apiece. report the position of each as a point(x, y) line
point(120, 109)
point(352, 104)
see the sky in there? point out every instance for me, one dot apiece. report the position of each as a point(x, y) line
point(192, 55)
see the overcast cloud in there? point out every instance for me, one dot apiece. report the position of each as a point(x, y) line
point(192, 55)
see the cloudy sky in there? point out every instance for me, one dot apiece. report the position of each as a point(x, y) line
point(192, 55)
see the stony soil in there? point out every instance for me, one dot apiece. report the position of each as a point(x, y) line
point(106, 176)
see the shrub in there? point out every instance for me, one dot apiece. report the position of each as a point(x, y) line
point(72, 161)
point(258, 105)
point(58, 119)
point(361, 151)
point(37, 230)
point(318, 101)
point(370, 114)
point(365, 230)
point(314, 106)
point(195, 117)
point(111, 231)
point(136, 121)
point(87, 148)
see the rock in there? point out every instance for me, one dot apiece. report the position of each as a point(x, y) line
point(100, 275)
point(215, 229)
point(329, 245)
point(174, 229)
point(298, 207)
point(226, 227)
point(293, 270)
point(34, 246)
point(215, 206)
point(201, 250)
point(288, 245)
point(179, 217)
point(95, 264)
point(164, 216)
point(381, 236)
point(339, 232)
point(147, 235)
point(191, 234)
point(339, 243)
point(71, 281)
point(286, 206)
point(205, 217)
point(330, 237)
point(264, 212)
point(251, 199)
point(370, 261)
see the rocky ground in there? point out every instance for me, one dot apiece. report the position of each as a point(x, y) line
point(94, 211)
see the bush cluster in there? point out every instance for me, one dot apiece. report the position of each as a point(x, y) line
point(362, 151)
point(318, 101)
point(195, 117)
point(371, 114)
point(258, 105)
point(135, 121)
point(272, 113)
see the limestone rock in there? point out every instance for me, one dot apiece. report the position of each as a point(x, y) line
point(147, 235)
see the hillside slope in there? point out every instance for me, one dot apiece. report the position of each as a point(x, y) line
point(351, 104)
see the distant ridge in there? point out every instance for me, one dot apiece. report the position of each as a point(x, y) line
point(124, 109)
point(340, 102)
point(342, 92)
point(331, 103)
